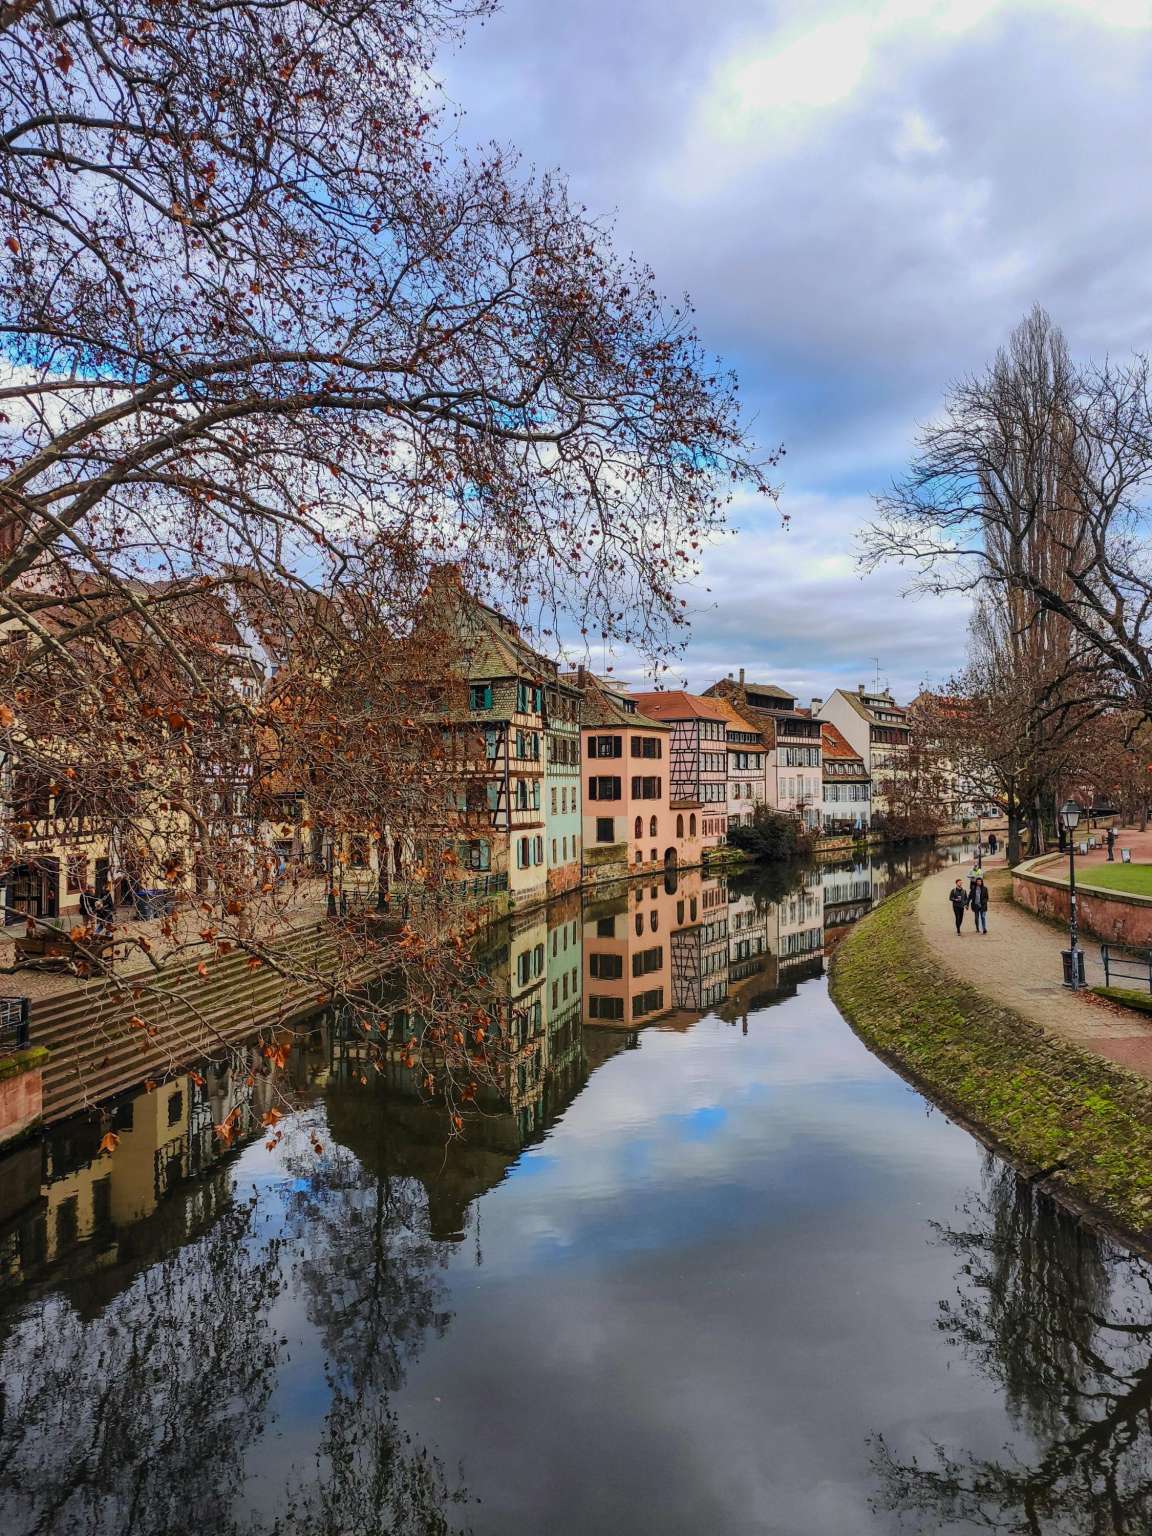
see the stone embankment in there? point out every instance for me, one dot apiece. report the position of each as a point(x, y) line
point(978, 1029)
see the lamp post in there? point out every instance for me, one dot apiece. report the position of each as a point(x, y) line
point(1073, 956)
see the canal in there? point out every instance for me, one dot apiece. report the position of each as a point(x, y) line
point(711, 1267)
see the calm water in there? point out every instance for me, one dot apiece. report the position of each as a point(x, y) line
point(713, 1268)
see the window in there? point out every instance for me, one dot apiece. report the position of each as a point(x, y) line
point(529, 699)
point(554, 860)
point(564, 849)
point(538, 960)
point(654, 915)
point(606, 967)
point(522, 852)
point(523, 968)
point(648, 960)
point(553, 799)
point(639, 925)
point(522, 794)
point(604, 788)
point(536, 794)
point(491, 742)
point(648, 1002)
point(647, 746)
point(605, 1007)
point(492, 794)
point(77, 872)
point(638, 829)
point(175, 1108)
point(605, 927)
point(605, 829)
point(476, 854)
point(605, 746)
point(680, 824)
point(538, 850)
point(692, 825)
point(652, 829)
point(480, 696)
point(646, 789)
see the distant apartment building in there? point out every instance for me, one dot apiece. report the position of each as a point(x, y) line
point(878, 729)
point(747, 765)
point(959, 795)
point(847, 803)
point(698, 764)
point(791, 739)
point(628, 826)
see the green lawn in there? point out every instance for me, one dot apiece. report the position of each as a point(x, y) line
point(1135, 879)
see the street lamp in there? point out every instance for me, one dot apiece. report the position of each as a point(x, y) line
point(1073, 956)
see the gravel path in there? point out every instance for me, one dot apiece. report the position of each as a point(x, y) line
point(1017, 963)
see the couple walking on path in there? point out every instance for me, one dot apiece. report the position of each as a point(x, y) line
point(976, 897)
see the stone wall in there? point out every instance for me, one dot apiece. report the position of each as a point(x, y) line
point(1112, 916)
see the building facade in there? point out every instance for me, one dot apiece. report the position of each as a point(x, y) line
point(878, 730)
point(699, 764)
point(627, 822)
point(791, 740)
point(847, 802)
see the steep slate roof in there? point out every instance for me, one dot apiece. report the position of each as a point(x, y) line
point(601, 706)
point(862, 709)
point(674, 704)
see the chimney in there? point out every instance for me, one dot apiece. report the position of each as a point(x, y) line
point(817, 706)
point(581, 677)
point(861, 689)
point(741, 677)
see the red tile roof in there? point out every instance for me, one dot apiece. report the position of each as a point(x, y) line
point(674, 704)
point(834, 744)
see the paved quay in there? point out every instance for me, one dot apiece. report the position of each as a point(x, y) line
point(1017, 964)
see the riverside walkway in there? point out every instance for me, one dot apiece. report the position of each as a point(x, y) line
point(1017, 964)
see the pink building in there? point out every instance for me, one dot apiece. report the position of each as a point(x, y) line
point(699, 765)
point(628, 824)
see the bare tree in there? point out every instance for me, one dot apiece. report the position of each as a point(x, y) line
point(278, 349)
point(1032, 485)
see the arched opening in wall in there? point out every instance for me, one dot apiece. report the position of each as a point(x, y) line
point(680, 824)
point(638, 829)
point(652, 827)
point(692, 825)
point(671, 860)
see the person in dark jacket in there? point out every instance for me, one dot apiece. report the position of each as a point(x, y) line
point(89, 905)
point(993, 843)
point(959, 901)
point(1111, 841)
point(978, 901)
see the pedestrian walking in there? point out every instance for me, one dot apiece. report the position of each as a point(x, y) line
point(993, 843)
point(959, 900)
point(976, 875)
point(979, 904)
point(105, 912)
point(1111, 841)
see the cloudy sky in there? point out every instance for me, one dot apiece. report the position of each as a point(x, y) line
point(862, 199)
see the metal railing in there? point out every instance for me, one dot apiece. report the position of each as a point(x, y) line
point(1126, 966)
point(13, 1024)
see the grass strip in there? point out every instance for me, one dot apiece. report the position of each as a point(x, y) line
point(1048, 1104)
point(23, 1061)
point(1141, 1002)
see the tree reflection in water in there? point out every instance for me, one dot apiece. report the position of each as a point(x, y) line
point(371, 1273)
point(134, 1401)
point(114, 1422)
point(1062, 1322)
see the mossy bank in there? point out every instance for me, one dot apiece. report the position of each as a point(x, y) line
point(1075, 1119)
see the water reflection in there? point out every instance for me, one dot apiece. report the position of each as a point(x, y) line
point(1062, 1322)
point(698, 1261)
